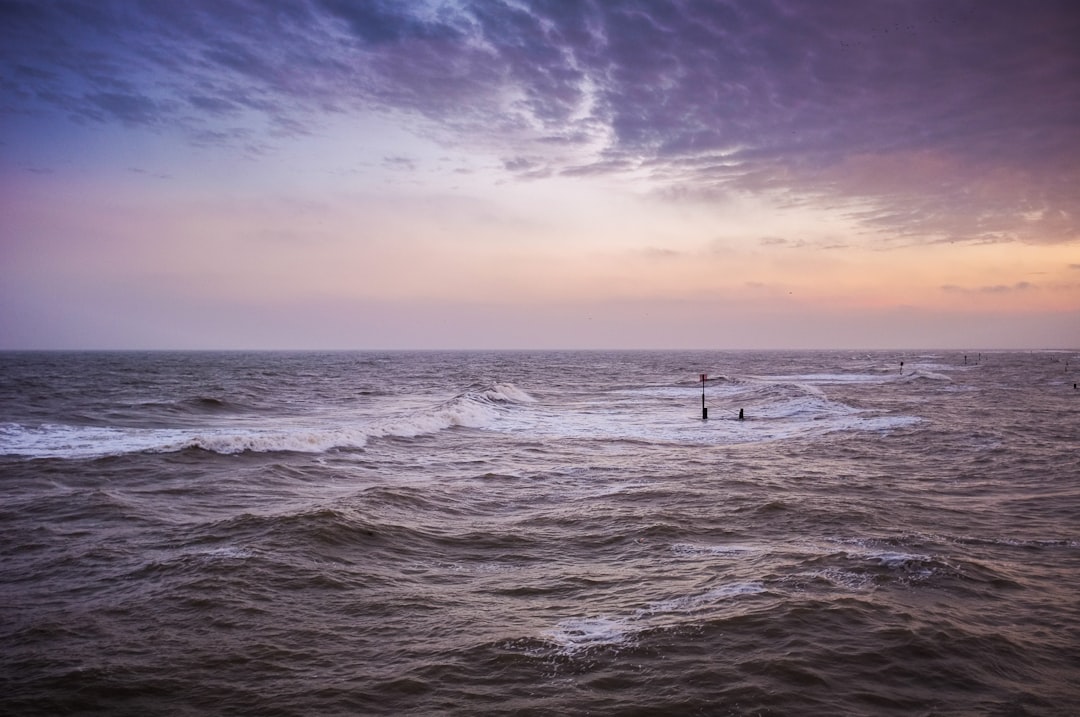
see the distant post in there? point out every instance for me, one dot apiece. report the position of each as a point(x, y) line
point(704, 411)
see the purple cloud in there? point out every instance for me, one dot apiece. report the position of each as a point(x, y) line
point(928, 121)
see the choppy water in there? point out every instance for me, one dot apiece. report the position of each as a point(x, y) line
point(550, 533)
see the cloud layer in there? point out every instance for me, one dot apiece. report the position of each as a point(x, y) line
point(925, 121)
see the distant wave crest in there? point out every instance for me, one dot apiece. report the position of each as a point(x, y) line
point(479, 407)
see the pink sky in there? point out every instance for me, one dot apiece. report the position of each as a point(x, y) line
point(460, 175)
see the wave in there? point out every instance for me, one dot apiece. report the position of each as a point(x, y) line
point(794, 570)
point(202, 405)
point(921, 374)
point(692, 550)
point(818, 379)
point(194, 406)
point(853, 564)
point(698, 601)
point(575, 635)
point(775, 410)
point(87, 442)
point(479, 407)
point(498, 393)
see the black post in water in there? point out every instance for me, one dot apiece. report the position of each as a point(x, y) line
point(704, 411)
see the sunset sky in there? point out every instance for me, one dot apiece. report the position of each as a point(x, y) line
point(540, 174)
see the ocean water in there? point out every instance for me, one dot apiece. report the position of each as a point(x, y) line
point(540, 533)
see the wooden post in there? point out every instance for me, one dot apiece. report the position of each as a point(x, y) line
point(704, 411)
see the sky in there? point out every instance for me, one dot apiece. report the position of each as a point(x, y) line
point(539, 174)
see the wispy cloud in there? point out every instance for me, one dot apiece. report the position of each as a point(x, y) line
point(399, 162)
point(922, 120)
point(993, 289)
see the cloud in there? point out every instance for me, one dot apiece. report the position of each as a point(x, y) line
point(994, 289)
point(661, 253)
point(399, 162)
point(130, 109)
point(214, 105)
point(147, 173)
point(774, 241)
point(924, 121)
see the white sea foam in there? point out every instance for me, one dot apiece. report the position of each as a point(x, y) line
point(689, 603)
point(303, 435)
point(775, 411)
point(733, 549)
point(579, 633)
point(62, 441)
point(909, 563)
point(230, 552)
point(81, 442)
point(843, 579)
point(507, 392)
point(460, 412)
point(810, 406)
point(890, 558)
point(473, 409)
point(813, 379)
point(883, 423)
point(576, 634)
point(923, 374)
point(680, 423)
point(870, 551)
point(299, 440)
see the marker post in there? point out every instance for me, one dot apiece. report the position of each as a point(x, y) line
point(704, 411)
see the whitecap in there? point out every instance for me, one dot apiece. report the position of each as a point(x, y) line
point(64, 441)
point(812, 379)
point(575, 634)
point(691, 549)
point(300, 440)
point(228, 552)
point(689, 603)
point(923, 374)
point(843, 579)
point(307, 434)
point(507, 392)
point(891, 559)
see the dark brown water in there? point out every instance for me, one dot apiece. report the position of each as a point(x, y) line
point(551, 533)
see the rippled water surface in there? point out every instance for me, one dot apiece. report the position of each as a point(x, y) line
point(539, 533)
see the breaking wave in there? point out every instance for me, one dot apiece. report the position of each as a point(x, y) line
point(479, 407)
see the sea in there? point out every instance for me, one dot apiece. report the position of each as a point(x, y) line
point(540, 533)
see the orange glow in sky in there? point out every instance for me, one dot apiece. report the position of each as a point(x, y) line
point(581, 178)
